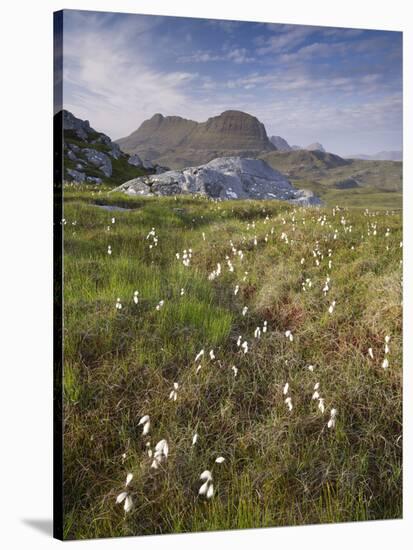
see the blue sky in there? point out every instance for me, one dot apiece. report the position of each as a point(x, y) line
point(341, 87)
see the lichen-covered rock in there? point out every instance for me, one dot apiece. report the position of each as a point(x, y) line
point(135, 160)
point(115, 151)
point(71, 155)
point(160, 169)
point(92, 179)
point(99, 159)
point(223, 178)
point(136, 186)
point(80, 127)
point(78, 177)
point(147, 164)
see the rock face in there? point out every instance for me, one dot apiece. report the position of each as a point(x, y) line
point(92, 157)
point(223, 178)
point(178, 142)
point(280, 143)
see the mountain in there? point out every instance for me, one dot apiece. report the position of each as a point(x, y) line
point(92, 157)
point(178, 142)
point(280, 143)
point(223, 178)
point(315, 147)
point(382, 155)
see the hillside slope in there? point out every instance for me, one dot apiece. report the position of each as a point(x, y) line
point(342, 181)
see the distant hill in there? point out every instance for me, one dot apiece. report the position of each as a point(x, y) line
point(315, 147)
point(179, 142)
point(283, 145)
point(280, 143)
point(341, 181)
point(382, 155)
point(92, 157)
point(301, 163)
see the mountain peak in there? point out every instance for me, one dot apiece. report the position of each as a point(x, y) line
point(316, 146)
point(280, 143)
point(180, 142)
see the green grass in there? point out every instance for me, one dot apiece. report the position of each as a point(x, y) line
point(281, 467)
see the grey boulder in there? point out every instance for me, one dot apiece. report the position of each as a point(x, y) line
point(135, 160)
point(78, 177)
point(223, 178)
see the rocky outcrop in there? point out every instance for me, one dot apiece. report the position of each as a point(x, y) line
point(222, 178)
point(92, 157)
point(280, 143)
point(178, 142)
point(98, 159)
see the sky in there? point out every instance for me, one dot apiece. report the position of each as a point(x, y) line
point(340, 87)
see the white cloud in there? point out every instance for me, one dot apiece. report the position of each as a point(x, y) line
point(236, 55)
point(111, 86)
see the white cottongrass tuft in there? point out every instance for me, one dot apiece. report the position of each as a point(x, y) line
point(182, 291)
point(234, 370)
point(311, 368)
point(321, 406)
point(194, 439)
point(289, 335)
point(160, 305)
point(174, 393)
point(212, 354)
point(289, 403)
point(239, 341)
point(236, 290)
point(244, 346)
point(121, 497)
point(118, 305)
point(370, 353)
point(207, 488)
point(332, 422)
point(285, 389)
point(135, 296)
point(220, 460)
point(146, 422)
point(244, 311)
point(257, 332)
point(129, 478)
point(161, 453)
point(109, 250)
point(199, 355)
point(332, 306)
point(385, 363)
point(264, 328)
point(124, 496)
